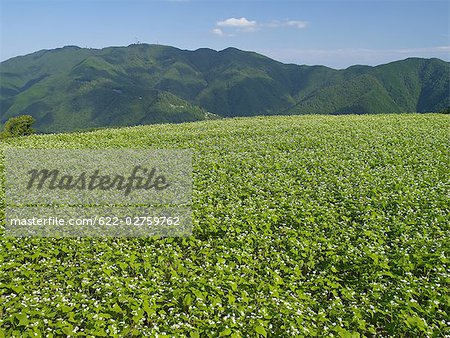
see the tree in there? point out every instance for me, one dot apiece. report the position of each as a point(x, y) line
point(18, 126)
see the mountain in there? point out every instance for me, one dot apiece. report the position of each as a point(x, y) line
point(74, 88)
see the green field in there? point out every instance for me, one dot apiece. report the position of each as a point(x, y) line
point(303, 226)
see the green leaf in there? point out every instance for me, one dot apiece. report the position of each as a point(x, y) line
point(260, 330)
point(138, 316)
point(116, 308)
point(416, 321)
point(225, 332)
point(23, 319)
point(187, 299)
point(194, 334)
point(66, 308)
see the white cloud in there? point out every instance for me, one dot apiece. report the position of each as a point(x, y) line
point(297, 23)
point(218, 32)
point(444, 48)
point(288, 23)
point(237, 23)
point(230, 26)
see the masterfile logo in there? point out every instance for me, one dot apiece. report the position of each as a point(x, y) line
point(140, 178)
point(98, 177)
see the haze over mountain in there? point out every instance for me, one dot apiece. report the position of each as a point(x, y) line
point(73, 88)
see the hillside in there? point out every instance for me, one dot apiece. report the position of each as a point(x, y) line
point(73, 88)
point(304, 226)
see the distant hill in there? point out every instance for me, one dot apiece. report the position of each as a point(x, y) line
point(74, 88)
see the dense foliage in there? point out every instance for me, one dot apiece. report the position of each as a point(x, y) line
point(73, 88)
point(18, 126)
point(304, 226)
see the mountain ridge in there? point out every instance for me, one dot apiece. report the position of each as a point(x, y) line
point(73, 88)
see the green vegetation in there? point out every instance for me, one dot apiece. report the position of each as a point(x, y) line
point(18, 126)
point(303, 226)
point(72, 88)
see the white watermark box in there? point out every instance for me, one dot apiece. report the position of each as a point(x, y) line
point(113, 192)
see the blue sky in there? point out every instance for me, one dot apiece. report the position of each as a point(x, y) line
point(333, 33)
